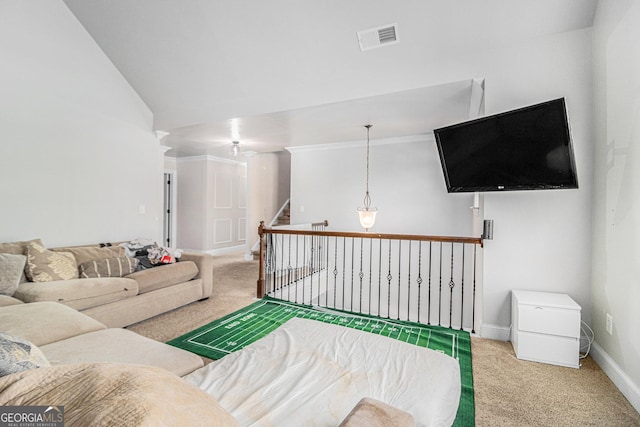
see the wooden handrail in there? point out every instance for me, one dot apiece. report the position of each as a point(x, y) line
point(284, 227)
point(365, 235)
point(369, 235)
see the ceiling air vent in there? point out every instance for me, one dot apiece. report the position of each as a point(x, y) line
point(378, 37)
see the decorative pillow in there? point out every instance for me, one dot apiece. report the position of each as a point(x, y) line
point(11, 269)
point(84, 254)
point(44, 265)
point(108, 267)
point(18, 354)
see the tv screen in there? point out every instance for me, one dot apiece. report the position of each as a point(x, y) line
point(525, 149)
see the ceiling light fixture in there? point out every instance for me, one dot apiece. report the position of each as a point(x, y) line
point(366, 213)
point(235, 149)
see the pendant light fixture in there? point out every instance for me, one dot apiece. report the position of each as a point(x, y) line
point(366, 213)
point(235, 149)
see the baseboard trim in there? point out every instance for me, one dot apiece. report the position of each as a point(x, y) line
point(627, 387)
point(228, 250)
point(495, 332)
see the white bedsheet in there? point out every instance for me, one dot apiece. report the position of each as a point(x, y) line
point(310, 373)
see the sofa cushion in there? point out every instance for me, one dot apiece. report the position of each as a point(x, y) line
point(164, 275)
point(18, 354)
point(79, 293)
point(133, 310)
point(118, 345)
point(11, 270)
point(108, 394)
point(108, 267)
point(84, 254)
point(44, 265)
point(45, 322)
point(7, 300)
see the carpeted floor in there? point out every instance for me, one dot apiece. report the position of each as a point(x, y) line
point(508, 391)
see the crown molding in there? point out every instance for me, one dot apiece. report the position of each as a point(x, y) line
point(361, 143)
point(161, 134)
point(207, 157)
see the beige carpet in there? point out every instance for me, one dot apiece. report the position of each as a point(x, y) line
point(508, 391)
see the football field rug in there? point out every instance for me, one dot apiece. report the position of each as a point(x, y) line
point(239, 329)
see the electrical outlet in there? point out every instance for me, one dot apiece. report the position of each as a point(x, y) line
point(609, 324)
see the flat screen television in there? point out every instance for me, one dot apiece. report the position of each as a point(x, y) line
point(525, 149)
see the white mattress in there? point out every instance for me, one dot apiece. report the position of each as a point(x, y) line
point(312, 373)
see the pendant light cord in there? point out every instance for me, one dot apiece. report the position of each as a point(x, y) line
point(367, 198)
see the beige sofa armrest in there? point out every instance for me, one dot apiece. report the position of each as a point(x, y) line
point(205, 270)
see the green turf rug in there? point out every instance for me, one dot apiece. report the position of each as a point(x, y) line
point(239, 329)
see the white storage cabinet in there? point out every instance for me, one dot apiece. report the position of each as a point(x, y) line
point(545, 327)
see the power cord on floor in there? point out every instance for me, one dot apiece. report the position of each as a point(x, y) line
point(589, 339)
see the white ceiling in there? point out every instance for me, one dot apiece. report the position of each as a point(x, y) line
point(284, 73)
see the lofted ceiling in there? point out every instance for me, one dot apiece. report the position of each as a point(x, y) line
point(279, 73)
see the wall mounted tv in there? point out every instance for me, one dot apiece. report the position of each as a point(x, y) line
point(525, 149)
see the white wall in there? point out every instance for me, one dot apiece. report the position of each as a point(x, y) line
point(405, 184)
point(191, 213)
point(541, 239)
point(616, 208)
point(269, 178)
point(78, 158)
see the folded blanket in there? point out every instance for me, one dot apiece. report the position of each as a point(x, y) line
point(310, 373)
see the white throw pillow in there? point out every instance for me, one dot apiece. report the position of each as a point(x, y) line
point(11, 269)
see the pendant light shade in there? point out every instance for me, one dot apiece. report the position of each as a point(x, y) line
point(367, 217)
point(367, 213)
